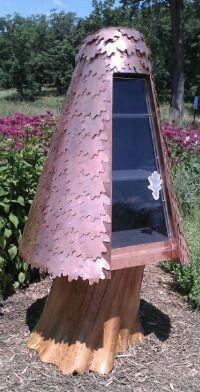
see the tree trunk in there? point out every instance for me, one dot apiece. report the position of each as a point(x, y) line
point(59, 88)
point(82, 326)
point(20, 94)
point(177, 93)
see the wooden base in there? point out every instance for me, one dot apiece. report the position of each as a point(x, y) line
point(82, 326)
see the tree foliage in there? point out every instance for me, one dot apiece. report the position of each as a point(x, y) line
point(40, 50)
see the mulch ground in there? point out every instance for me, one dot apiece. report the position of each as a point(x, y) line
point(168, 360)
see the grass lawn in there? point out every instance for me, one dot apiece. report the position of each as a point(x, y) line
point(187, 118)
point(50, 101)
point(47, 101)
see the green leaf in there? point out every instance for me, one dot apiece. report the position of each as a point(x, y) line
point(14, 219)
point(2, 261)
point(6, 200)
point(25, 266)
point(26, 164)
point(21, 277)
point(3, 168)
point(2, 223)
point(2, 242)
point(7, 233)
point(13, 182)
point(3, 192)
point(15, 285)
point(6, 207)
point(12, 251)
point(20, 200)
point(20, 236)
point(18, 263)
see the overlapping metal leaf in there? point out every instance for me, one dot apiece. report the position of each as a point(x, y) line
point(68, 231)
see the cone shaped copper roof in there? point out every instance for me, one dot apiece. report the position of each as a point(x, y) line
point(68, 231)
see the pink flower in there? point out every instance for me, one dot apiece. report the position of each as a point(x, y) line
point(21, 127)
point(186, 139)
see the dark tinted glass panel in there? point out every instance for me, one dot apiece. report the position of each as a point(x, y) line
point(132, 144)
point(129, 96)
point(137, 218)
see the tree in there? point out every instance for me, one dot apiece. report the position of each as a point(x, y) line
point(176, 13)
point(192, 45)
point(177, 95)
point(40, 50)
point(62, 47)
point(37, 50)
point(22, 47)
point(104, 14)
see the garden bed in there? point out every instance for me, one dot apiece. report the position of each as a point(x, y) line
point(168, 360)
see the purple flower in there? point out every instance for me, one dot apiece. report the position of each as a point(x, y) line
point(21, 127)
point(186, 139)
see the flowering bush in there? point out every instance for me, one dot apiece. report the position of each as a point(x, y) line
point(21, 128)
point(185, 139)
point(24, 144)
point(184, 150)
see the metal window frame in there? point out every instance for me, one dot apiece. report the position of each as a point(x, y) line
point(154, 252)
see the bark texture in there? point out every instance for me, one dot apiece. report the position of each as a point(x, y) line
point(82, 326)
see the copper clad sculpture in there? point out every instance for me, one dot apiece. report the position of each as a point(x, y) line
point(69, 228)
point(68, 231)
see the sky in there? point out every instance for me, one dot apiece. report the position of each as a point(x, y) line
point(30, 7)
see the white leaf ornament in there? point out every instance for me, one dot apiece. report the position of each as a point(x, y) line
point(155, 184)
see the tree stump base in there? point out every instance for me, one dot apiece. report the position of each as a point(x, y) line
point(82, 326)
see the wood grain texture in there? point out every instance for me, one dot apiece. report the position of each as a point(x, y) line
point(82, 326)
point(143, 254)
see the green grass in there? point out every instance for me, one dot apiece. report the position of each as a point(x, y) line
point(193, 230)
point(187, 118)
point(47, 101)
point(50, 101)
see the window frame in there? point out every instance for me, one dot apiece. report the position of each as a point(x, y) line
point(152, 252)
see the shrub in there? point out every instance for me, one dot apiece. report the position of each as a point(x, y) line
point(185, 139)
point(23, 146)
point(187, 181)
point(184, 148)
point(187, 278)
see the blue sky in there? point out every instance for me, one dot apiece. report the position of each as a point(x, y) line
point(29, 7)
